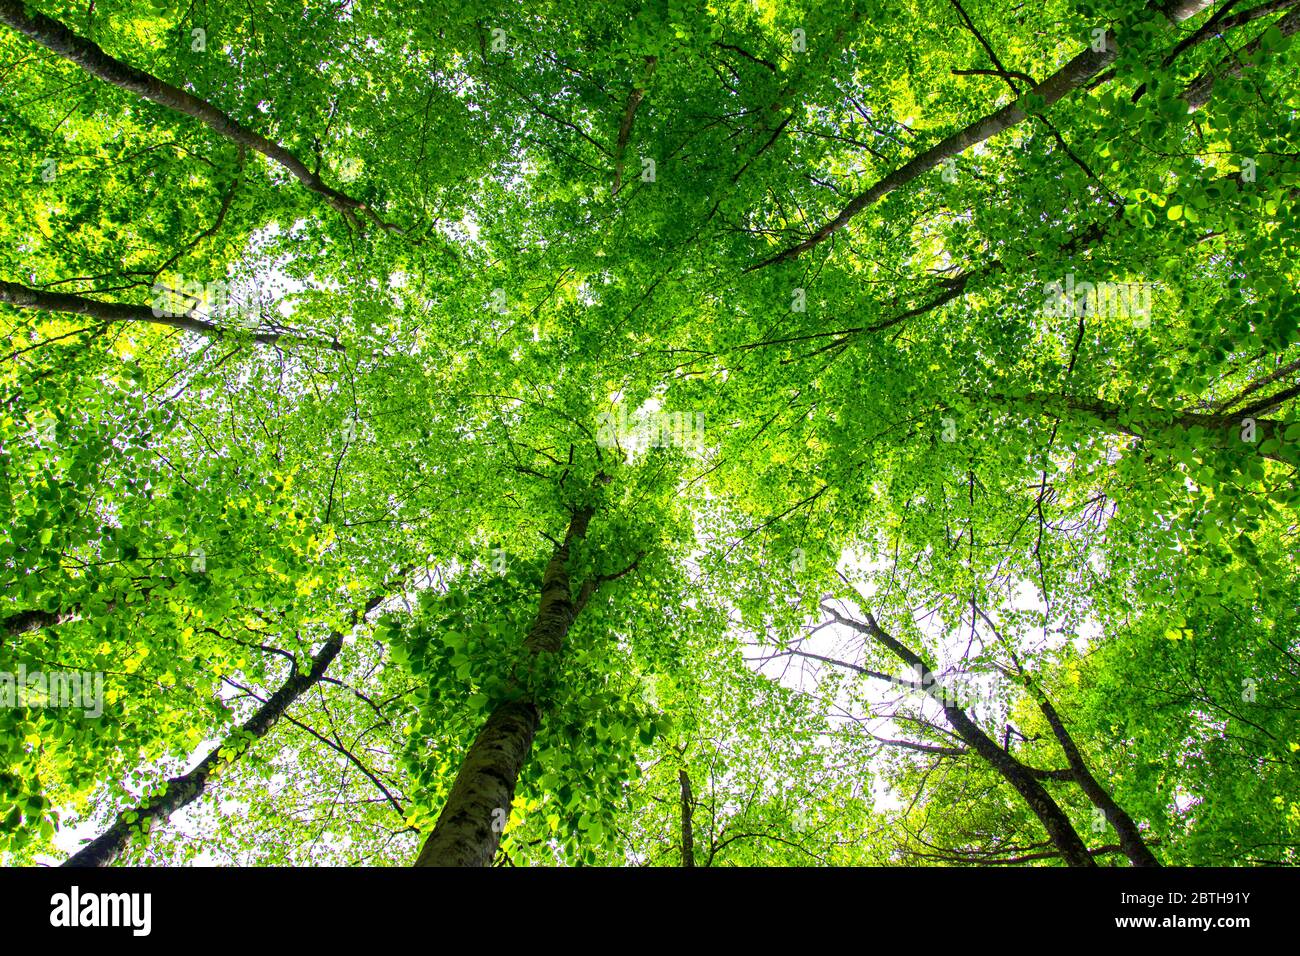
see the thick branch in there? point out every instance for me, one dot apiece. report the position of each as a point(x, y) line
point(185, 789)
point(1059, 829)
point(1075, 74)
point(1221, 428)
point(1198, 92)
point(22, 297)
point(87, 54)
point(1130, 837)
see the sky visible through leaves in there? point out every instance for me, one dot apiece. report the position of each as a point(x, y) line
point(756, 433)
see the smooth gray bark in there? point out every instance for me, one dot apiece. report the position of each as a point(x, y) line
point(468, 830)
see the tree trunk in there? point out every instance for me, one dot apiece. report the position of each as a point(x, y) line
point(469, 828)
point(1062, 833)
point(26, 621)
point(1130, 837)
point(187, 788)
point(625, 127)
point(688, 838)
point(1198, 93)
point(1059, 829)
point(470, 825)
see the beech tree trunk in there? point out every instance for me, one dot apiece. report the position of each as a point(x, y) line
point(469, 828)
point(187, 788)
point(470, 825)
point(625, 127)
point(1059, 829)
point(1130, 837)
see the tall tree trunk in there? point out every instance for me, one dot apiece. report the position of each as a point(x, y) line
point(1130, 837)
point(185, 789)
point(470, 825)
point(1059, 829)
point(688, 837)
point(87, 54)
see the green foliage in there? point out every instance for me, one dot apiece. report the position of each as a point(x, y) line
point(924, 414)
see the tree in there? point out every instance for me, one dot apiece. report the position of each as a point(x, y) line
point(706, 375)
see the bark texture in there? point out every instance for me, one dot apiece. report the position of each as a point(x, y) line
point(470, 825)
point(24, 622)
point(629, 117)
point(469, 828)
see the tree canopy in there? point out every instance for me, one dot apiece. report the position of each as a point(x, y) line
point(761, 432)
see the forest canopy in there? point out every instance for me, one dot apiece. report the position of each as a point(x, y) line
point(736, 433)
